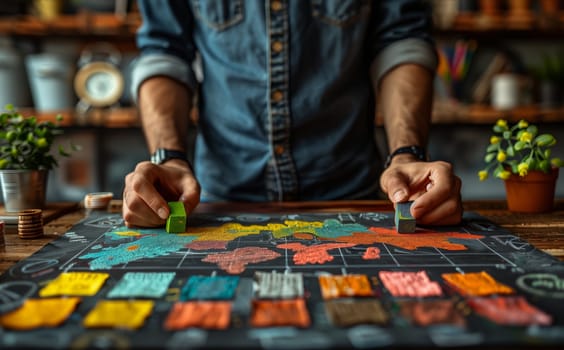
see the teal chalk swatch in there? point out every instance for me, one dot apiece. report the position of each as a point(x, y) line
point(209, 288)
point(142, 285)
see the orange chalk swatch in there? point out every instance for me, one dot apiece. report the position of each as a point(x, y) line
point(130, 314)
point(200, 314)
point(476, 284)
point(36, 313)
point(344, 286)
point(514, 311)
point(273, 313)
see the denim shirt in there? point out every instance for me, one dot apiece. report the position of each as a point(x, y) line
point(285, 101)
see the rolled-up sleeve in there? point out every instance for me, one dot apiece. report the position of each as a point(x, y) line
point(165, 44)
point(402, 33)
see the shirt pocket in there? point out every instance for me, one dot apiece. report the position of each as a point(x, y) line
point(218, 14)
point(340, 13)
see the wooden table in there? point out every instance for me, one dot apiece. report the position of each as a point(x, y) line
point(544, 231)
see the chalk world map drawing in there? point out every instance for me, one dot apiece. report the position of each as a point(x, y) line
point(292, 280)
point(287, 241)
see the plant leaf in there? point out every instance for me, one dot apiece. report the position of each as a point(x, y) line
point(510, 151)
point(544, 166)
point(533, 130)
point(519, 145)
point(545, 140)
point(489, 157)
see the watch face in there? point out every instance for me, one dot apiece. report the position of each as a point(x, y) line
point(99, 84)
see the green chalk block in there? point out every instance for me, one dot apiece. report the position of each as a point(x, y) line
point(405, 223)
point(176, 221)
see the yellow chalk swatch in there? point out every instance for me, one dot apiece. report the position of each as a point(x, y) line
point(75, 283)
point(130, 314)
point(36, 313)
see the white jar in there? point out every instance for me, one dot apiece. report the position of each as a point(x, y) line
point(505, 93)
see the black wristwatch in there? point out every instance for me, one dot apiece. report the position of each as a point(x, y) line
point(162, 155)
point(418, 151)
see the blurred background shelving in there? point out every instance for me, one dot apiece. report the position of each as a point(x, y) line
point(498, 59)
point(519, 37)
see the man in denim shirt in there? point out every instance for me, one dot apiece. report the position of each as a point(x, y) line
point(286, 105)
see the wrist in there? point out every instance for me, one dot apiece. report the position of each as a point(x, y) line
point(403, 158)
point(177, 163)
point(407, 154)
point(170, 157)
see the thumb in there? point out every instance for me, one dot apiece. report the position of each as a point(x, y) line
point(397, 189)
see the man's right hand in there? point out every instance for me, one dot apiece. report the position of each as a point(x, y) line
point(150, 187)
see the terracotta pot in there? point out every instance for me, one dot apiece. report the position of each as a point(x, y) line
point(533, 193)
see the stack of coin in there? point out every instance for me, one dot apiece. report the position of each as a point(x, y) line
point(30, 224)
point(97, 200)
point(2, 231)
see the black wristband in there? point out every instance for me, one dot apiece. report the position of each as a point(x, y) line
point(162, 155)
point(418, 151)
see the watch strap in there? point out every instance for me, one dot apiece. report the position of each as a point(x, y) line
point(162, 155)
point(418, 151)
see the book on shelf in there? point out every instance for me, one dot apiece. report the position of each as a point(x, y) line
point(482, 88)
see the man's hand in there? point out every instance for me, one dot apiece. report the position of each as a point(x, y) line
point(433, 187)
point(150, 187)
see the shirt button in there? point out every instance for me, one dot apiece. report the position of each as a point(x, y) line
point(277, 96)
point(276, 5)
point(277, 46)
point(279, 150)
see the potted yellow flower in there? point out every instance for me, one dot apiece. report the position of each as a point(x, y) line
point(522, 157)
point(26, 158)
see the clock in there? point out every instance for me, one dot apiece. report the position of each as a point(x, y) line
point(99, 84)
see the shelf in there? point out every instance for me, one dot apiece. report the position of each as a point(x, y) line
point(529, 25)
point(444, 112)
point(452, 112)
point(86, 25)
point(113, 118)
point(455, 113)
point(496, 34)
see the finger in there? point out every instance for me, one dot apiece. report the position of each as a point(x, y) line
point(141, 201)
point(191, 194)
point(438, 207)
point(142, 184)
point(137, 214)
point(447, 213)
point(441, 184)
point(394, 184)
point(190, 200)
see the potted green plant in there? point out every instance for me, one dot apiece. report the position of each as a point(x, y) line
point(522, 157)
point(26, 158)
